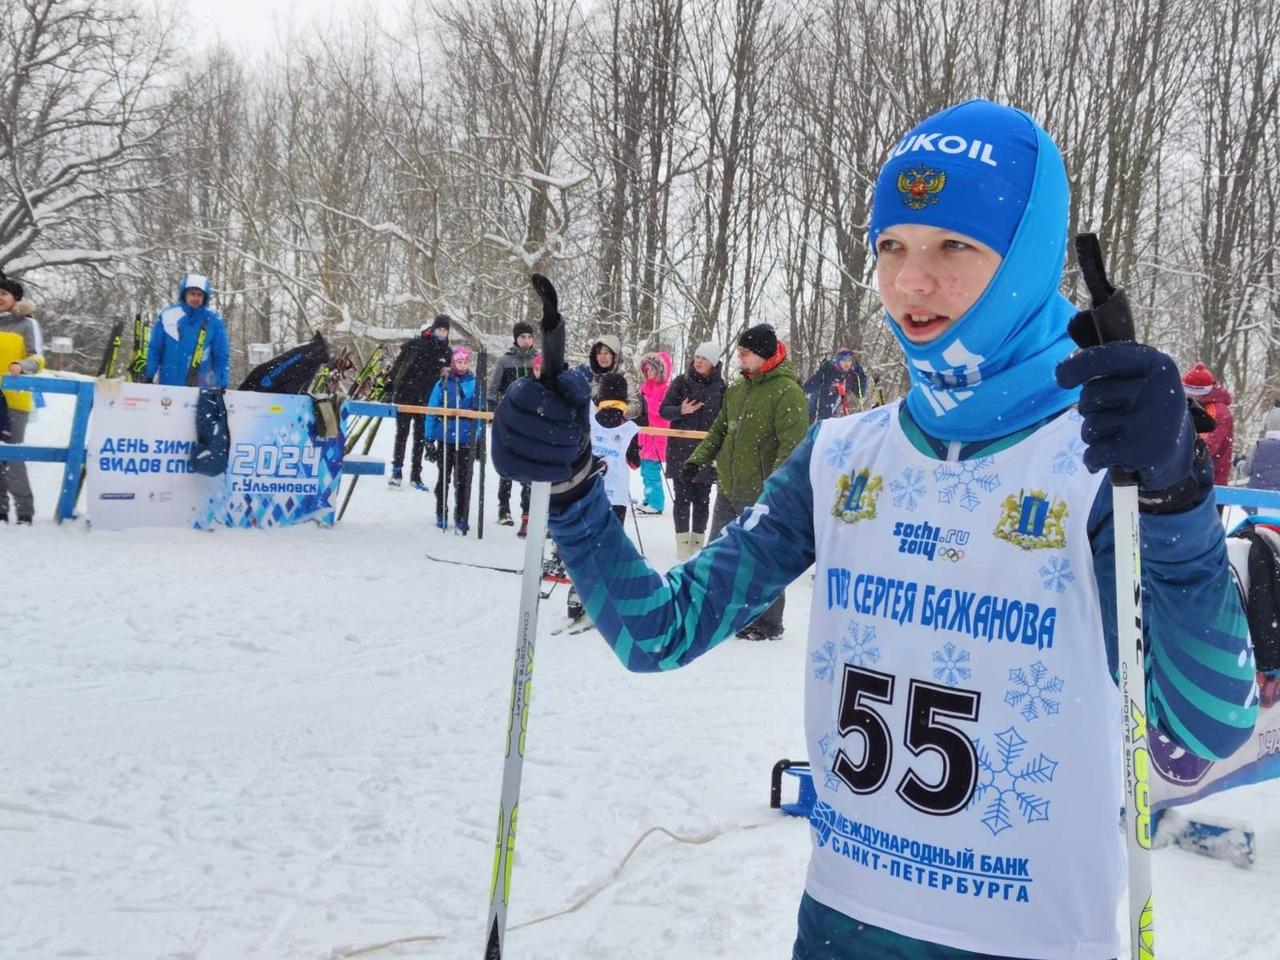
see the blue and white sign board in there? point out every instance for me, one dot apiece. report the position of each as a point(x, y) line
point(140, 441)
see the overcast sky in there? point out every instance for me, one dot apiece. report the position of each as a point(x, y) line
point(255, 25)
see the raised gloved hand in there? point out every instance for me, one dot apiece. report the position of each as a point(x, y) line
point(1134, 407)
point(1135, 412)
point(431, 450)
point(542, 434)
point(689, 472)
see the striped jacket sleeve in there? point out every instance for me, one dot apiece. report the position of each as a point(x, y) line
point(660, 622)
point(1201, 689)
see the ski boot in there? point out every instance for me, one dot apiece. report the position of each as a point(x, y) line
point(442, 523)
point(553, 569)
point(396, 477)
point(647, 511)
point(573, 606)
point(524, 526)
point(419, 485)
point(504, 518)
point(461, 528)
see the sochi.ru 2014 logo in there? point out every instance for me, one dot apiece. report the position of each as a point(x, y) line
point(929, 541)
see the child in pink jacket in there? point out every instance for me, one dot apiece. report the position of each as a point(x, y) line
point(655, 373)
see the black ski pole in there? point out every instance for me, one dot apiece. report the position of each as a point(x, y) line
point(482, 379)
point(526, 632)
point(636, 521)
point(442, 485)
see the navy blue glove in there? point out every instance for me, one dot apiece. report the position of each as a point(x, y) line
point(1135, 415)
point(540, 434)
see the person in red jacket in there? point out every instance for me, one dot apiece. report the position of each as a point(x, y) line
point(1213, 396)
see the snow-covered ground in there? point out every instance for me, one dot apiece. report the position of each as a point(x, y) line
point(288, 744)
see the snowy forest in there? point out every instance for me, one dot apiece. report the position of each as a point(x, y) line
point(681, 168)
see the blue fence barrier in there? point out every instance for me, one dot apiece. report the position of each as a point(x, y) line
point(73, 454)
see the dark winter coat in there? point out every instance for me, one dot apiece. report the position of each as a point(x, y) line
point(456, 392)
point(709, 390)
point(511, 366)
point(761, 421)
point(834, 393)
point(418, 368)
point(1264, 464)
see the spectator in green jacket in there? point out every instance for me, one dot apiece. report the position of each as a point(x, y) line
point(764, 415)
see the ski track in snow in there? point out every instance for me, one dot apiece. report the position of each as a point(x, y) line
point(288, 744)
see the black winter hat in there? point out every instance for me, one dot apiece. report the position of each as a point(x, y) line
point(13, 287)
point(441, 321)
point(613, 386)
point(521, 328)
point(760, 340)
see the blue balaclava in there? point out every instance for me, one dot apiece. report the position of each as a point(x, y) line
point(990, 172)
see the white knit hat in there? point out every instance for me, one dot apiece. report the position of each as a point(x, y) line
point(709, 351)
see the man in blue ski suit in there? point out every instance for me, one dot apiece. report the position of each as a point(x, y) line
point(175, 333)
point(968, 780)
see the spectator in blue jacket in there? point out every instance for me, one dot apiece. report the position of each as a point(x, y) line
point(176, 332)
point(450, 439)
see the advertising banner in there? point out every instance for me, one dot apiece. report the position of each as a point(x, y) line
point(141, 438)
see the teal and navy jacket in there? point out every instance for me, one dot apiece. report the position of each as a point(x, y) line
point(1199, 664)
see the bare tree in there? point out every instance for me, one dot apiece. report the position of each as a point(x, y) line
point(77, 109)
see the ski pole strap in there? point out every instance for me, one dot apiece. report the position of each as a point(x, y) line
point(197, 355)
point(1107, 320)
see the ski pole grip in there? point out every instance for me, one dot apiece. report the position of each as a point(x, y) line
point(1108, 319)
point(552, 330)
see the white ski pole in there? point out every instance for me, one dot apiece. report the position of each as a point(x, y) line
point(1112, 320)
point(526, 632)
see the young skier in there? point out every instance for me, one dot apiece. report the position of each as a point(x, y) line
point(969, 779)
point(615, 440)
point(451, 445)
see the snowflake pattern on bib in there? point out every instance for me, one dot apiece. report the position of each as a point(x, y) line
point(1005, 786)
point(965, 482)
point(908, 489)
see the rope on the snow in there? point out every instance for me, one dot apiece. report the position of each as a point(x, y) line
point(617, 871)
point(344, 953)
